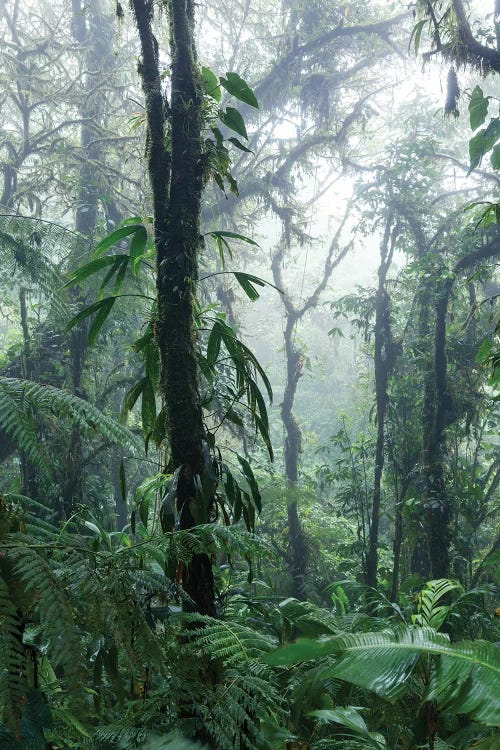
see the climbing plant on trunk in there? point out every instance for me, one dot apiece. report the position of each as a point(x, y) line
point(176, 178)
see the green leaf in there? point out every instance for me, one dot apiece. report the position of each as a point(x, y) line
point(93, 527)
point(484, 351)
point(233, 236)
point(416, 34)
point(100, 318)
point(210, 83)
point(483, 142)
point(148, 410)
point(252, 482)
point(95, 308)
point(114, 237)
point(238, 88)
point(132, 395)
point(478, 108)
point(144, 510)
point(214, 342)
point(465, 677)
point(138, 243)
point(247, 281)
point(240, 145)
point(94, 266)
point(234, 121)
point(495, 157)
point(350, 718)
point(123, 483)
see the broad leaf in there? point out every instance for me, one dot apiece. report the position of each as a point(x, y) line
point(234, 121)
point(239, 89)
point(478, 108)
point(465, 676)
point(210, 83)
point(240, 145)
point(114, 237)
point(483, 142)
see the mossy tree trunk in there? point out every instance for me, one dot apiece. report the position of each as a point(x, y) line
point(384, 360)
point(176, 181)
point(439, 413)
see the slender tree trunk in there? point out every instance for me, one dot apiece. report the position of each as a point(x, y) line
point(176, 181)
point(384, 359)
point(435, 421)
point(293, 447)
point(91, 29)
point(398, 537)
point(439, 413)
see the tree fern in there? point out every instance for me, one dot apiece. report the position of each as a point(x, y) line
point(22, 402)
point(12, 659)
point(29, 246)
point(231, 642)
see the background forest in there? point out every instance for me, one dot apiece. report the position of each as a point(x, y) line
point(249, 375)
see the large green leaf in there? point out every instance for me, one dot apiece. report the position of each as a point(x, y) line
point(234, 121)
point(478, 107)
point(483, 142)
point(239, 89)
point(465, 677)
point(114, 237)
point(350, 718)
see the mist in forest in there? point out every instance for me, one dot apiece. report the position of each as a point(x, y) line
point(249, 373)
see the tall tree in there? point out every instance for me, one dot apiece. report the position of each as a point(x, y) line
point(176, 177)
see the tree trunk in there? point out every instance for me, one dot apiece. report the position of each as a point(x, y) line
point(293, 447)
point(176, 181)
point(90, 28)
point(384, 359)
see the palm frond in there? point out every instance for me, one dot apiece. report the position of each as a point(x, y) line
point(465, 677)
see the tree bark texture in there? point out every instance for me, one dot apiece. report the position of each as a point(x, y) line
point(176, 181)
point(384, 360)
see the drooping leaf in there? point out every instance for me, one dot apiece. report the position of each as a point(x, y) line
point(252, 482)
point(123, 483)
point(239, 145)
point(233, 236)
point(100, 319)
point(114, 237)
point(234, 121)
point(94, 266)
point(350, 718)
point(138, 242)
point(465, 676)
point(495, 157)
point(483, 142)
point(210, 83)
point(240, 89)
point(102, 308)
point(478, 107)
point(148, 408)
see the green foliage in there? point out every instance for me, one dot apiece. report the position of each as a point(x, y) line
point(464, 678)
point(27, 253)
point(23, 403)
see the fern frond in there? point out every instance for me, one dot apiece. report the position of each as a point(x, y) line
point(53, 604)
point(12, 658)
point(231, 642)
point(30, 245)
point(22, 400)
point(237, 709)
